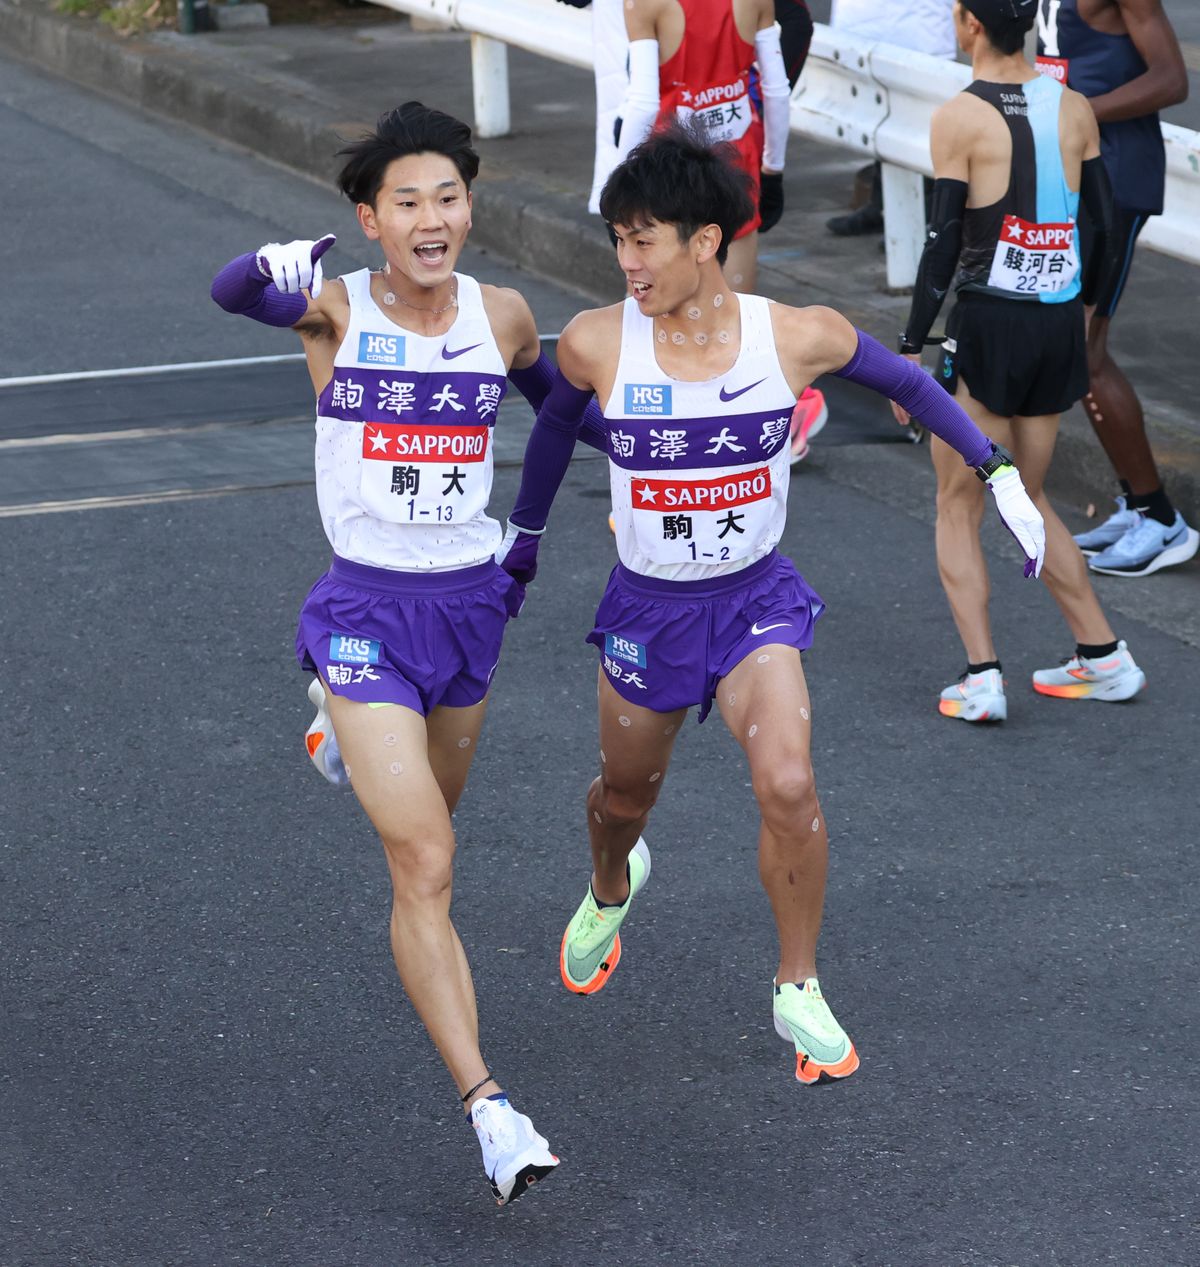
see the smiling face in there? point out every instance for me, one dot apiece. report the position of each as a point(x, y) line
point(420, 217)
point(661, 271)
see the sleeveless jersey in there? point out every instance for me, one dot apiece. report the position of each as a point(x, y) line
point(698, 471)
point(1094, 63)
point(709, 77)
point(1026, 245)
point(404, 438)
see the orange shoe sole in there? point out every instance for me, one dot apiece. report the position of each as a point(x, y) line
point(602, 973)
point(808, 1071)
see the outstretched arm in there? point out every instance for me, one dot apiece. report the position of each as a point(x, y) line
point(547, 456)
point(267, 285)
point(534, 383)
point(897, 378)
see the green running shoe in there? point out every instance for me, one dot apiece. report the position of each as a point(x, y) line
point(803, 1017)
point(591, 946)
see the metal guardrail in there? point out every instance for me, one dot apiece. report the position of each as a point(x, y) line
point(874, 98)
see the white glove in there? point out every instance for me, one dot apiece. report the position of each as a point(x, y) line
point(1020, 516)
point(295, 266)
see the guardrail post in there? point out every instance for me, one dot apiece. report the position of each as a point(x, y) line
point(903, 224)
point(489, 77)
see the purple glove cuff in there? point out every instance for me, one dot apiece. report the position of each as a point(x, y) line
point(521, 560)
point(241, 288)
point(911, 388)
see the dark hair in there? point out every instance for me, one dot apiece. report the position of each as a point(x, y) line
point(1010, 37)
point(408, 129)
point(1005, 33)
point(678, 176)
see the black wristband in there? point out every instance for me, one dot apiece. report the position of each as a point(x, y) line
point(1000, 457)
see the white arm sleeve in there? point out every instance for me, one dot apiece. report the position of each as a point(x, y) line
point(776, 97)
point(640, 106)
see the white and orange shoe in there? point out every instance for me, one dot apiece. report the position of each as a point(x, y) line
point(975, 697)
point(1111, 677)
point(803, 1018)
point(320, 740)
point(809, 416)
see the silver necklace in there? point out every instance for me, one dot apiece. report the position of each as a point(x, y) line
point(390, 297)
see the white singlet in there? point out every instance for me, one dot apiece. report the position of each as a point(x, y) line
point(699, 471)
point(404, 438)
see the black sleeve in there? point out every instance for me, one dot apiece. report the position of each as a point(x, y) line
point(1103, 263)
point(943, 241)
point(795, 35)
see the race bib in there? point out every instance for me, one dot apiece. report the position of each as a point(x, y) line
point(702, 520)
point(724, 111)
point(1054, 68)
point(1034, 259)
point(424, 474)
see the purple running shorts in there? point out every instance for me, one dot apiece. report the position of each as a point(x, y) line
point(421, 639)
point(666, 644)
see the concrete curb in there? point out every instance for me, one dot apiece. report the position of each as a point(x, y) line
point(544, 233)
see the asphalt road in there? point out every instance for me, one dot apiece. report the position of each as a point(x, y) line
point(205, 1057)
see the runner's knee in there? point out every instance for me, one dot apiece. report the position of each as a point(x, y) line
point(622, 802)
point(422, 869)
point(786, 793)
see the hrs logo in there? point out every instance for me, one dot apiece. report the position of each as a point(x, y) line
point(380, 349)
point(647, 398)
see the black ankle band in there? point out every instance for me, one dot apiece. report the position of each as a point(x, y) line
point(481, 1083)
point(983, 668)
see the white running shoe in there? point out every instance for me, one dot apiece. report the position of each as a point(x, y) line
point(1147, 547)
point(320, 740)
point(515, 1156)
point(1109, 532)
point(975, 697)
point(1110, 677)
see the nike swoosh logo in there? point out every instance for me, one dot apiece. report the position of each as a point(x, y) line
point(755, 630)
point(583, 967)
point(741, 391)
point(813, 1046)
point(447, 355)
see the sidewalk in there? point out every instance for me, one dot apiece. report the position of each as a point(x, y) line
point(293, 93)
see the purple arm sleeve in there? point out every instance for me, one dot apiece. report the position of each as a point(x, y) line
point(241, 288)
point(548, 453)
point(911, 388)
point(534, 384)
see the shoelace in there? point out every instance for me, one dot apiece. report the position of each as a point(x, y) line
point(594, 922)
point(1141, 533)
point(499, 1127)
